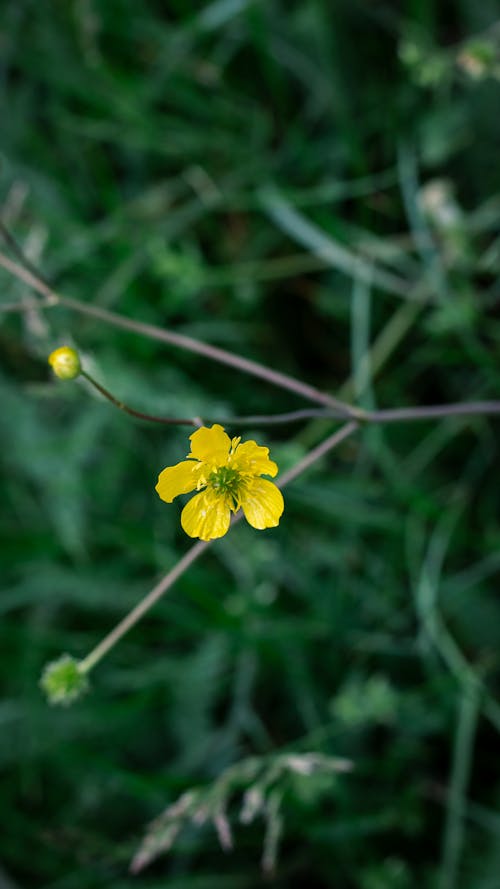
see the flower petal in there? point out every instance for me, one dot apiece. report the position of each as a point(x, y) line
point(179, 479)
point(262, 503)
point(252, 458)
point(210, 445)
point(206, 516)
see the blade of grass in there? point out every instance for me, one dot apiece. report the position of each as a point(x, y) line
point(463, 754)
point(305, 232)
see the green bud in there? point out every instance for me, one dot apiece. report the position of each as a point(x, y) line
point(63, 681)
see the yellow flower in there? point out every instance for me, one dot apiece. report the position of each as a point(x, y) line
point(65, 362)
point(227, 476)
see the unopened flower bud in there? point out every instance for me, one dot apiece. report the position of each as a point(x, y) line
point(63, 681)
point(65, 362)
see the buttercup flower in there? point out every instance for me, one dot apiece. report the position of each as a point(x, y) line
point(65, 362)
point(227, 476)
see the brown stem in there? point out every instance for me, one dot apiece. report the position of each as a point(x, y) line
point(173, 421)
point(395, 415)
point(338, 409)
point(176, 339)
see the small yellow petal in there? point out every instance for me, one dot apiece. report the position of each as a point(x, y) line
point(254, 459)
point(210, 445)
point(206, 516)
point(179, 479)
point(262, 503)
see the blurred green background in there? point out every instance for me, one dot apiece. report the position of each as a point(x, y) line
point(314, 185)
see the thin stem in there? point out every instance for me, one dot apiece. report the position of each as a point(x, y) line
point(32, 280)
point(393, 415)
point(195, 552)
point(245, 365)
point(338, 409)
point(288, 417)
point(144, 605)
point(433, 412)
point(19, 252)
point(481, 408)
point(327, 445)
point(130, 410)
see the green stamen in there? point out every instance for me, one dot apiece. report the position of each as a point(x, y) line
point(225, 481)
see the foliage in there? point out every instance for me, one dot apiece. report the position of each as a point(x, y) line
point(313, 185)
point(266, 781)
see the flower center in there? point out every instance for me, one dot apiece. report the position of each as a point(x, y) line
point(225, 481)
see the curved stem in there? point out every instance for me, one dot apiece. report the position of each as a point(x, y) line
point(173, 421)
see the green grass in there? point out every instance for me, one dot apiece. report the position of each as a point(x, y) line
point(266, 176)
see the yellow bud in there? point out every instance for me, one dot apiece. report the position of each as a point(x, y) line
point(65, 362)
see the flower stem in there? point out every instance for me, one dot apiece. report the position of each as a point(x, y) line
point(152, 418)
point(327, 445)
point(394, 415)
point(144, 605)
point(333, 407)
point(245, 365)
